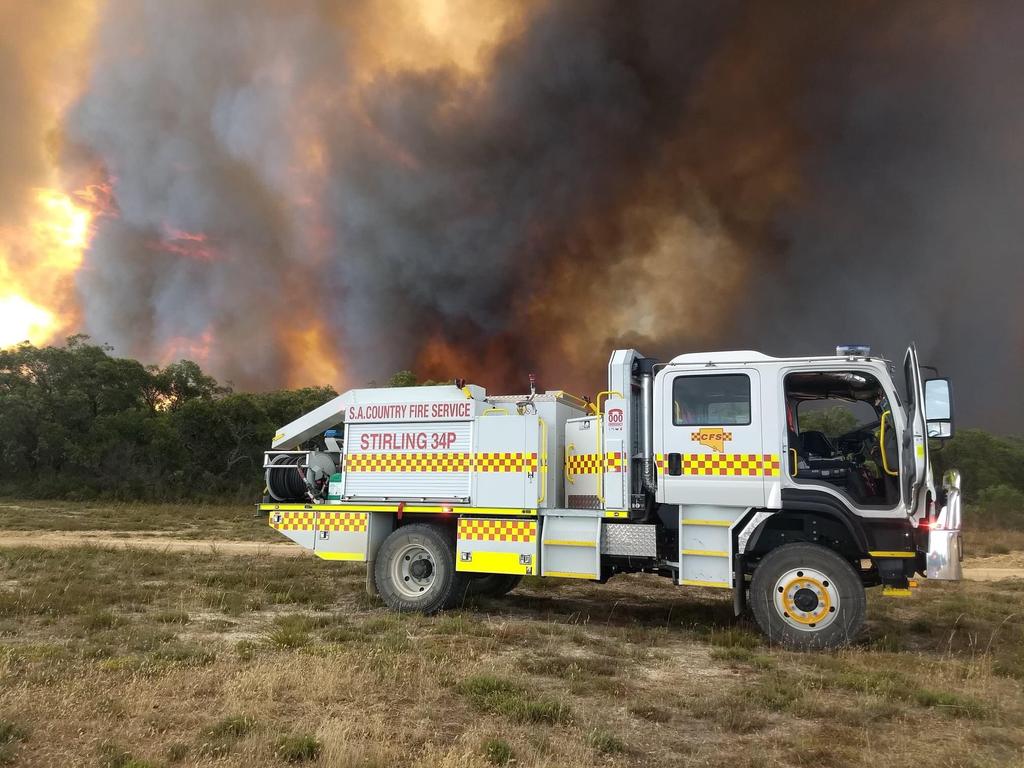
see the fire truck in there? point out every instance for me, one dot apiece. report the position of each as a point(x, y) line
point(711, 469)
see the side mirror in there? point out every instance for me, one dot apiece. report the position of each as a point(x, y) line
point(938, 408)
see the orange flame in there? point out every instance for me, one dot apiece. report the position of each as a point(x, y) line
point(312, 359)
point(190, 245)
point(38, 262)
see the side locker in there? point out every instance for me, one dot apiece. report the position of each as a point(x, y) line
point(355, 536)
point(616, 459)
point(506, 461)
point(296, 521)
point(497, 545)
point(571, 544)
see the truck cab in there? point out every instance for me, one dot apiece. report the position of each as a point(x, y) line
point(754, 453)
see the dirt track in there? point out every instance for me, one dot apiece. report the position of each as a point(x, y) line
point(53, 539)
point(987, 569)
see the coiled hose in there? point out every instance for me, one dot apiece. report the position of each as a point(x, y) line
point(285, 480)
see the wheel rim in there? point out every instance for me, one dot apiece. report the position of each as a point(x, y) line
point(413, 570)
point(806, 599)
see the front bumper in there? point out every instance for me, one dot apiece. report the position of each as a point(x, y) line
point(945, 544)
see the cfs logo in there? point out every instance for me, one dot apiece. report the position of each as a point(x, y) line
point(615, 418)
point(714, 438)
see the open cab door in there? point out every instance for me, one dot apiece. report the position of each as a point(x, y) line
point(915, 442)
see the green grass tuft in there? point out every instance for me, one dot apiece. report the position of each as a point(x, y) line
point(503, 697)
point(113, 756)
point(297, 748)
point(605, 743)
point(10, 735)
point(498, 752)
point(235, 726)
point(172, 617)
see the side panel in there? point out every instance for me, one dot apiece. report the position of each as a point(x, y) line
point(506, 462)
point(334, 534)
point(342, 535)
point(425, 460)
point(494, 545)
point(297, 525)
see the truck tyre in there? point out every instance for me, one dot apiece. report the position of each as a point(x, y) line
point(415, 570)
point(492, 584)
point(806, 596)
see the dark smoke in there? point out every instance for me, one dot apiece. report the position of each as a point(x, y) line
point(679, 176)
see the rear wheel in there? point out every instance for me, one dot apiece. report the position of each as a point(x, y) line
point(415, 570)
point(807, 596)
point(492, 584)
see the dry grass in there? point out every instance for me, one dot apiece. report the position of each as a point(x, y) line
point(185, 521)
point(140, 658)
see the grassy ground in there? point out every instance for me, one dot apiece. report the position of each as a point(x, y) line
point(187, 521)
point(121, 658)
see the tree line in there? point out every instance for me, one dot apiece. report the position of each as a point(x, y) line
point(79, 423)
point(76, 422)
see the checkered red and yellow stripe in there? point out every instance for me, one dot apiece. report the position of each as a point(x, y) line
point(726, 464)
point(441, 462)
point(342, 522)
point(293, 521)
point(590, 463)
point(408, 462)
point(505, 462)
point(497, 530)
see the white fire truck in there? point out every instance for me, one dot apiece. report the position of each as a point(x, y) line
point(711, 469)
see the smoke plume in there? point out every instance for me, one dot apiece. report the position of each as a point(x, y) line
point(314, 192)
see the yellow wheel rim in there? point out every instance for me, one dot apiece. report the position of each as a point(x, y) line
point(806, 599)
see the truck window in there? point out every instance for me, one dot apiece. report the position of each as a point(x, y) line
point(705, 401)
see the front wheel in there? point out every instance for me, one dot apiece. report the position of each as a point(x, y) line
point(807, 596)
point(415, 570)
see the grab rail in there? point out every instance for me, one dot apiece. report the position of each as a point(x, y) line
point(543, 474)
point(881, 446)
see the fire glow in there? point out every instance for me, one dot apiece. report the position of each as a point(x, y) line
point(37, 267)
